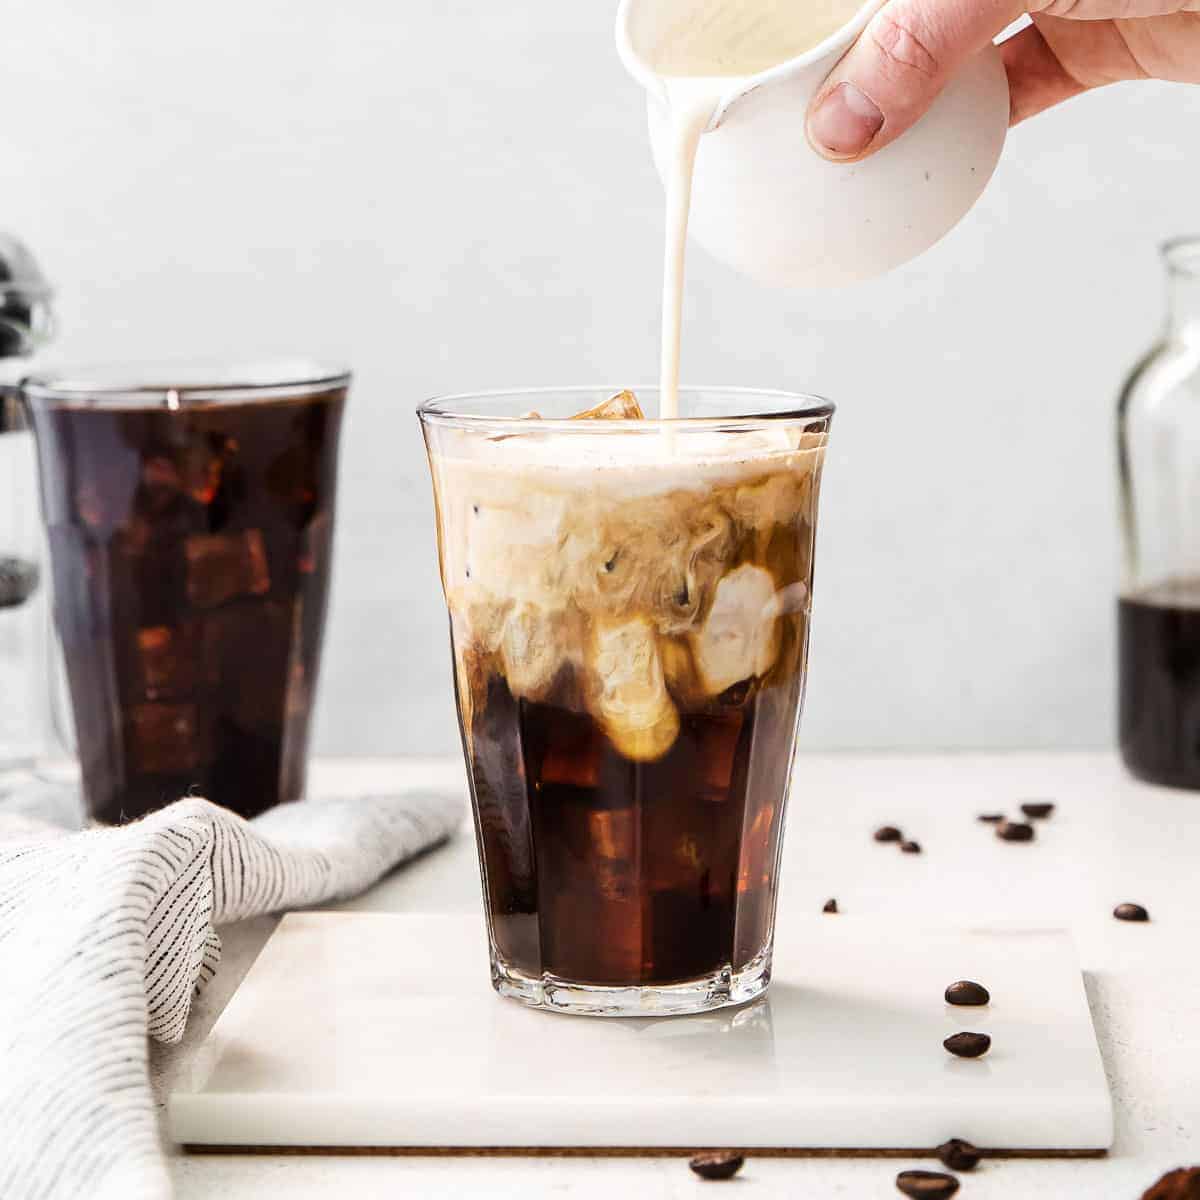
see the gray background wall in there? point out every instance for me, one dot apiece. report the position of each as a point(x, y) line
point(455, 194)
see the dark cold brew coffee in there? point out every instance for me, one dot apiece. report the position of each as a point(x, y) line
point(1159, 697)
point(603, 869)
point(190, 549)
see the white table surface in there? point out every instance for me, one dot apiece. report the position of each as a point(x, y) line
point(1110, 840)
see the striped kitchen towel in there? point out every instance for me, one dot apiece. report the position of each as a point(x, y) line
point(106, 934)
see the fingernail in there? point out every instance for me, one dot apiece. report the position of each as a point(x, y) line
point(844, 122)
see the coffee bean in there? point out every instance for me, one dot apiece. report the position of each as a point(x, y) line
point(968, 1045)
point(1130, 912)
point(1181, 1184)
point(1014, 831)
point(911, 847)
point(992, 818)
point(888, 833)
point(968, 993)
point(717, 1164)
point(959, 1155)
point(929, 1185)
point(830, 906)
point(1037, 808)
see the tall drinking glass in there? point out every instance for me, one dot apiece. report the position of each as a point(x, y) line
point(629, 611)
point(189, 513)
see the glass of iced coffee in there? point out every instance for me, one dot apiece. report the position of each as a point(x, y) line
point(629, 610)
point(189, 513)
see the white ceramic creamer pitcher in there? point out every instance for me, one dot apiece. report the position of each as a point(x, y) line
point(767, 204)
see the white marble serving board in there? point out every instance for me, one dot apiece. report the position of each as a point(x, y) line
point(356, 1029)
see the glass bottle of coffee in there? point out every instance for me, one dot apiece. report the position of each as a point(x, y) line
point(1158, 442)
point(24, 328)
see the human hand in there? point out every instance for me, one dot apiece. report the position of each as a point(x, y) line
point(911, 48)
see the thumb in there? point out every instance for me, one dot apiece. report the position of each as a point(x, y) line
point(894, 72)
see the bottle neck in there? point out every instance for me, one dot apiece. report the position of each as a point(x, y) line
point(1182, 261)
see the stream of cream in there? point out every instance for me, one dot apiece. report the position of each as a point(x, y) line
point(704, 51)
point(692, 104)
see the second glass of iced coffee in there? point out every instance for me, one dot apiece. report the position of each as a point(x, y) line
point(189, 513)
point(629, 608)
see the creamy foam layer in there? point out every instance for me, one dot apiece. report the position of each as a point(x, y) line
point(626, 462)
point(631, 576)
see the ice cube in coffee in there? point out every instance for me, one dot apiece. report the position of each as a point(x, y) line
point(189, 531)
point(629, 610)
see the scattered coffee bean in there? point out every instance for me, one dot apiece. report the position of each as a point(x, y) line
point(959, 1155)
point(1037, 808)
point(717, 1164)
point(1181, 1184)
point(968, 1045)
point(830, 906)
point(911, 847)
point(888, 833)
point(1014, 831)
point(929, 1185)
point(1130, 912)
point(992, 818)
point(967, 992)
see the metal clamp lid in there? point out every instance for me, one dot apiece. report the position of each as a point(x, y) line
point(25, 296)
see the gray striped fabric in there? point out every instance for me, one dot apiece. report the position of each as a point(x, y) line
point(106, 934)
